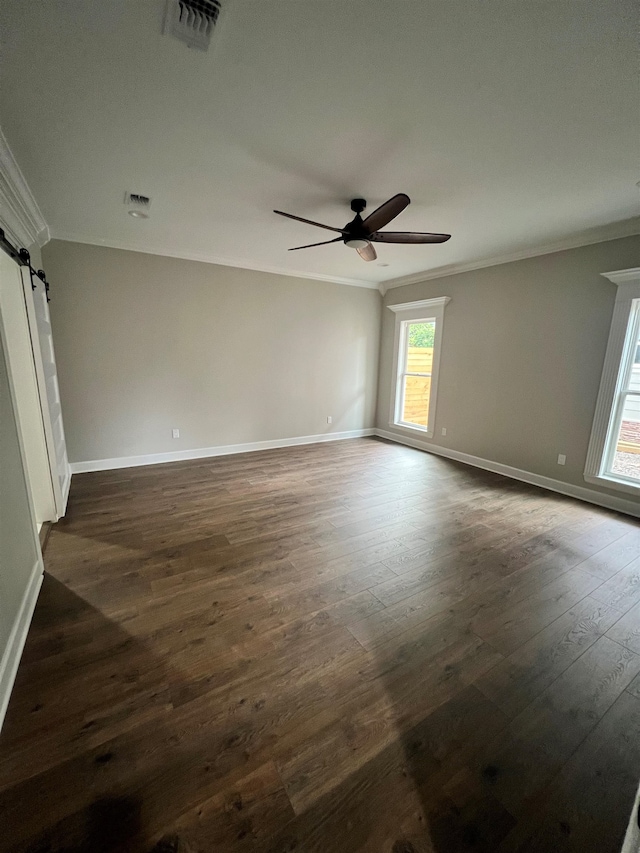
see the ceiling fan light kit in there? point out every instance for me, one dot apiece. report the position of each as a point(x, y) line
point(360, 234)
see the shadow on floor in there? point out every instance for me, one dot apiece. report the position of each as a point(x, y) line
point(83, 687)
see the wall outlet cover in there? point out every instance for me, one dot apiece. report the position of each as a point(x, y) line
point(175, 433)
point(561, 459)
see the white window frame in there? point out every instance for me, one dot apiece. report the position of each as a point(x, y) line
point(617, 363)
point(424, 310)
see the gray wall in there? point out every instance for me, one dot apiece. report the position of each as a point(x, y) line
point(147, 343)
point(522, 355)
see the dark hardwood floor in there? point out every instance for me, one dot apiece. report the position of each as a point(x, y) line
point(344, 648)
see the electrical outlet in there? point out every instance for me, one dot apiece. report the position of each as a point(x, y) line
point(329, 419)
point(444, 430)
point(561, 458)
point(175, 433)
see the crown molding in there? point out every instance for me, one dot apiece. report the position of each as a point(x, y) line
point(205, 258)
point(623, 276)
point(626, 228)
point(20, 216)
point(418, 305)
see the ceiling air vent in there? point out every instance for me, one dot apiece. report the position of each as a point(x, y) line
point(138, 205)
point(191, 21)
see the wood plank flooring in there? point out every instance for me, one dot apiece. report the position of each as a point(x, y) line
point(345, 648)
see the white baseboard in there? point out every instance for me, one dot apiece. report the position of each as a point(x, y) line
point(204, 452)
point(17, 638)
point(579, 492)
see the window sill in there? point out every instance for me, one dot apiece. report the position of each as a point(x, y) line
point(613, 483)
point(427, 433)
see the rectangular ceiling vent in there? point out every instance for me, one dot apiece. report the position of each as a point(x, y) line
point(191, 21)
point(137, 200)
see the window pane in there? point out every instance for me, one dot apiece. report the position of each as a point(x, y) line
point(416, 400)
point(634, 379)
point(626, 457)
point(420, 340)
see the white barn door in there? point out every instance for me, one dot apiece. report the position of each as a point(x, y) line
point(45, 362)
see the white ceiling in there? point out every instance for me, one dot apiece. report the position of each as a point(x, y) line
point(512, 124)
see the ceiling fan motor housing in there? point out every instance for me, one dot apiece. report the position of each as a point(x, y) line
point(356, 235)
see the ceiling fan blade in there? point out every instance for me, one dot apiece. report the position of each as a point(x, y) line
point(407, 237)
point(368, 253)
point(386, 212)
point(311, 245)
point(309, 221)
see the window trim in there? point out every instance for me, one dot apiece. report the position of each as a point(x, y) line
point(411, 312)
point(615, 362)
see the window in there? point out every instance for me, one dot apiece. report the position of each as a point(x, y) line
point(418, 340)
point(614, 451)
point(622, 455)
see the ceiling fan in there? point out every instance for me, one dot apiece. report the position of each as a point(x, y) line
point(360, 234)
